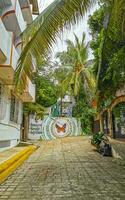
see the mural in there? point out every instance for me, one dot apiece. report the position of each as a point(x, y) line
point(35, 127)
point(60, 127)
point(52, 128)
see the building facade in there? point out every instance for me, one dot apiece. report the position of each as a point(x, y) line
point(15, 16)
point(111, 120)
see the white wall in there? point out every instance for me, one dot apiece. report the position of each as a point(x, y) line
point(9, 131)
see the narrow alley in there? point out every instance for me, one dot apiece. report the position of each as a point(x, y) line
point(66, 169)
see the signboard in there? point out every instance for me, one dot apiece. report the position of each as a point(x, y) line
point(35, 128)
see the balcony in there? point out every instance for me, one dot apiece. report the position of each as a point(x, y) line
point(28, 95)
point(8, 55)
point(12, 17)
point(26, 10)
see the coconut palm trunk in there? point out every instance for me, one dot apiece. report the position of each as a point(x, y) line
point(25, 127)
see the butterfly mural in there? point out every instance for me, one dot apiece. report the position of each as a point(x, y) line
point(60, 128)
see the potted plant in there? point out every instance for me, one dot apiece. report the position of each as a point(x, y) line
point(101, 142)
point(96, 139)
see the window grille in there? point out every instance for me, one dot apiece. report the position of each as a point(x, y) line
point(14, 109)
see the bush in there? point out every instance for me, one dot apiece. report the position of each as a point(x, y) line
point(96, 139)
point(101, 142)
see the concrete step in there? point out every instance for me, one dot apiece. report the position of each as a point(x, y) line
point(12, 158)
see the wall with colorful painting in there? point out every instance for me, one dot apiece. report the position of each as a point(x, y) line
point(53, 128)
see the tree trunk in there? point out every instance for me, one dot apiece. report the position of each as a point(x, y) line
point(25, 127)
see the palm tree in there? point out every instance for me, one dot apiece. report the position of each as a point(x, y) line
point(42, 33)
point(75, 59)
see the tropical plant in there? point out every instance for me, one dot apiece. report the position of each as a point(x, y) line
point(34, 108)
point(83, 111)
point(43, 31)
point(101, 142)
point(96, 139)
point(59, 75)
point(75, 60)
point(46, 91)
point(46, 96)
point(107, 27)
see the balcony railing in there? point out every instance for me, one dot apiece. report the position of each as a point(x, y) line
point(5, 47)
point(12, 17)
point(19, 16)
point(8, 54)
point(26, 10)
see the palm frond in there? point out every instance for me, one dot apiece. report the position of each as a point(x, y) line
point(83, 38)
point(66, 83)
point(82, 49)
point(42, 33)
point(69, 44)
point(90, 79)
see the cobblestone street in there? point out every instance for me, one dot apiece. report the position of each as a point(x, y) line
point(66, 169)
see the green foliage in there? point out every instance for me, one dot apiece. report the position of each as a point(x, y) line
point(46, 96)
point(60, 74)
point(34, 108)
point(118, 112)
point(96, 25)
point(96, 139)
point(84, 112)
point(109, 54)
point(76, 53)
point(46, 92)
point(74, 60)
point(95, 22)
point(79, 80)
point(116, 69)
point(40, 35)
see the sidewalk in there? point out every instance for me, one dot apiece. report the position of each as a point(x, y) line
point(12, 158)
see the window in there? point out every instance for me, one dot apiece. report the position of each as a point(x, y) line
point(14, 109)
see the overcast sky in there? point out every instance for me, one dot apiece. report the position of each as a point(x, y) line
point(78, 29)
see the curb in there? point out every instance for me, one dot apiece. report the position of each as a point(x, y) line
point(115, 154)
point(7, 167)
point(115, 151)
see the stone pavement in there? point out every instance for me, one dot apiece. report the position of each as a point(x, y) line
point(66, 169)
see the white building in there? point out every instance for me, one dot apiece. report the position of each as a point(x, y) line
point(15, 15)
